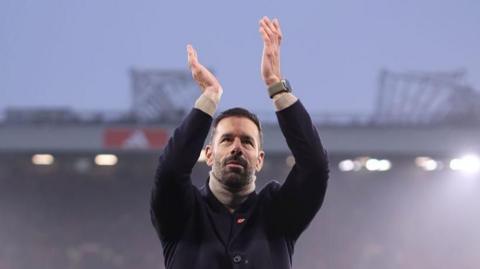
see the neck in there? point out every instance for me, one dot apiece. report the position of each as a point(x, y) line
point(230, 199)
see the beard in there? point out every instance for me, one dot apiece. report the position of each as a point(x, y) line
point(234, 177)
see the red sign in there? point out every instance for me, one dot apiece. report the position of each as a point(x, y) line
point(132, 138)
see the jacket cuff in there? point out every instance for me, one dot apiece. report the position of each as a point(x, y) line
point(283, 100)
point(206, 104)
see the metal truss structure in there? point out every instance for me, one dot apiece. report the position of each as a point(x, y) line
point(417, 98)
point(162, 95)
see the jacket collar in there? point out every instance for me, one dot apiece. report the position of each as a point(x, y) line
point(217, 206)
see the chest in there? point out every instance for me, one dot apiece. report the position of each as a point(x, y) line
point(221, 239)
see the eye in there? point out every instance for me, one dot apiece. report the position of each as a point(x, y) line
point(225, 139)
point(248, 141)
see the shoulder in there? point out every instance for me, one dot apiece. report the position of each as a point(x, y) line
point(270, 189)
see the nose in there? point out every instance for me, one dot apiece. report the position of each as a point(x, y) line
point(236, 147)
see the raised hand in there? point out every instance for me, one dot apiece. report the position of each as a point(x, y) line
point(272, 37)
point(205, 79)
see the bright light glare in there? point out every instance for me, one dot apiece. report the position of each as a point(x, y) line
point(384, 165)
point(427, 163)
point(357, 165)
point(346, 165)
point(43, 159)
point(430, 165)
point(378, 165)
point(468, 163)
point(372, 164)
point(106, 159)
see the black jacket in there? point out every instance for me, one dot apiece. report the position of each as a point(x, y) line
point(197, 231)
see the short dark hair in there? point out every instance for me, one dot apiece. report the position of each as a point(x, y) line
point(237, 112)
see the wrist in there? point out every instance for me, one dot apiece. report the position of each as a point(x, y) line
point(283, 100)
point(283, 86)
point(271, 81)
point(279, 95)
point(214, 95)
point(206, 104)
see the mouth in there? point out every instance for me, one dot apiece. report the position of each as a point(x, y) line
point(234, 164)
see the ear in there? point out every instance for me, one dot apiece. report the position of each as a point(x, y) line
point(261, 157)
point(209, 154)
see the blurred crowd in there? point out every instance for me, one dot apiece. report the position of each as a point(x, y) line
point(52, 217)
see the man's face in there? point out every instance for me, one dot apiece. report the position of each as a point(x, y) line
point(235, 154)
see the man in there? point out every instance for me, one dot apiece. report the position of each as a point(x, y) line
point(226, 223)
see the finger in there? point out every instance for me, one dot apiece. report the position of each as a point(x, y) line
point(276, 23)
point(192, 56)
point(271, 30)
point(270, 25)
point(267, 29)
point(193, 52)
point(267, 24)
point(264, 34)
point(190, 53)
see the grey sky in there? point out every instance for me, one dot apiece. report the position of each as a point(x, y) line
point(78, 53)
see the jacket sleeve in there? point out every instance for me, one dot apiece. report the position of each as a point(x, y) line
point(173, 193)
point(297, 201)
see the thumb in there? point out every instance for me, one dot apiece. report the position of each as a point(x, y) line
point(192, 56)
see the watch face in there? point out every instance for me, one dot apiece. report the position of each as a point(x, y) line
point(282, 86)
point(286, 85)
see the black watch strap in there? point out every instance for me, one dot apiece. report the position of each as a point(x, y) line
point(282, 86)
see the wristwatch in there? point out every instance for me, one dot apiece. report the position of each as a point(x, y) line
point(282, 86)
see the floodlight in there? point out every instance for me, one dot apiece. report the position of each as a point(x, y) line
point(43, 159)
point(346, 165)
point(469, 163)
point(106, 159)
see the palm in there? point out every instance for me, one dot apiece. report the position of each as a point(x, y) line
point(270, 63)
point(272, 37)
point(204, 78)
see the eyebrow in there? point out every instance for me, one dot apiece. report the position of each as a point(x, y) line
point(229, 135)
